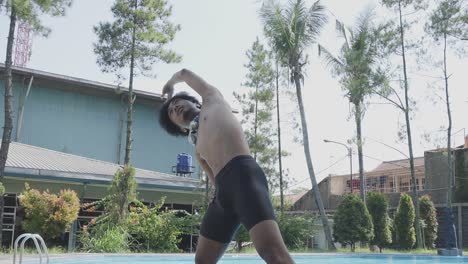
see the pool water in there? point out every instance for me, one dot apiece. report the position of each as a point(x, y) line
point(252, 259)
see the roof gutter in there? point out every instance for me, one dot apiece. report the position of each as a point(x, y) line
point(79, 81)
point(103, 179)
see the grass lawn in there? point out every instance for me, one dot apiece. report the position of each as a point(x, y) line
point(363, 250)
point(33, 250)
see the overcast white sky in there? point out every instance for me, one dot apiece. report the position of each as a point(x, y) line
point(214, 38)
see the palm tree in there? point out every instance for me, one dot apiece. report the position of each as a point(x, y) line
point(292, 29)
point(359, 73)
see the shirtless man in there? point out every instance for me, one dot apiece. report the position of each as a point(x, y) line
point(223, 153)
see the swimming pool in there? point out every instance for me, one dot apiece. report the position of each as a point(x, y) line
point(254, 259)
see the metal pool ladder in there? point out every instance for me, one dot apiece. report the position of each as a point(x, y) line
point(40, 249)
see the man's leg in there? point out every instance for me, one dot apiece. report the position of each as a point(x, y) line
point(269, 243)
point(209, 251)
point(216, 231)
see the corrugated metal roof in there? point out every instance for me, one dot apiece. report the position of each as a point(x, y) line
point(398, 164)
point(32, 161)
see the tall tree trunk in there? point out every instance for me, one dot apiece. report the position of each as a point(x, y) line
point(315, 188)
point(452, 229)
point(419, 242)
point(256, 123)
point(8, 127)
point(279, 141)
point(362, 178)
point(239, 246)
point(128, 145)
point(449, 129)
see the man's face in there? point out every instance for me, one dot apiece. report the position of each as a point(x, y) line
point(181, 112)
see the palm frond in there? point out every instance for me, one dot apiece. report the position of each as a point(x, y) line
point(341, 31)
point(329, 58)
point(292, 29)
point(316, 20)
point(276, 27)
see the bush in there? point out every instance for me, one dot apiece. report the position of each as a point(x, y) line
point(296, 230)
point(378, 209)
point(429, 216)
point(158, 231)
point(121, 193)
point(404, 223)
point(145, 230)
point(352, 222)
point(48, 214)
point(105, 238)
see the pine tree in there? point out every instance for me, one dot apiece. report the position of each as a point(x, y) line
point(404, 223)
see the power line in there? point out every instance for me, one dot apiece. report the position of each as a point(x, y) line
point(319, 172)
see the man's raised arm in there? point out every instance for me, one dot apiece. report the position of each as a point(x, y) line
point(204, 89)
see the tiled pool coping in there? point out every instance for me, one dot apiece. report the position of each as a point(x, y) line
point(8, 258)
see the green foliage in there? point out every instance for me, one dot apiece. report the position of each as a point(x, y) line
point(359, 64)
point(48, 214)
point(449, 19)
point(157, 230)
point(292, 29)
point(121, 193)
point(109, 232)
point(105, 238)
point(2, 189)
point(404, 3)
point(359, 67)
point(136, 40)
point(257, 111)
point(429, 216)
point(142, 21)
point(352, 222)
point(144, 230)
point(296, 230)
point(404, 223)
point(242, 235)
point(377, 205)
point(30, 11)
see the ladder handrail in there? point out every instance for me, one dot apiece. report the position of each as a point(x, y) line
point(35, 243)
point(44, 247)
point(34, 237)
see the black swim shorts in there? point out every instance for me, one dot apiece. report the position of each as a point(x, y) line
point(241, 197)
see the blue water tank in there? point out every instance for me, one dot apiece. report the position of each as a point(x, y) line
point(184, 163)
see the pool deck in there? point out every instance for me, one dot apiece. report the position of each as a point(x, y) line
point(8, 258)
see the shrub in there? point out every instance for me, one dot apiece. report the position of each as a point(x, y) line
point(121, 193)
point(429, 216)
point(105, 238)
point(378, 209)
point(352, 222)
point(296, 230)
point(404, 223)
point(155, 231)
point(48, 214)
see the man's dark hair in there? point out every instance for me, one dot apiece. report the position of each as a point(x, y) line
point(164, 119)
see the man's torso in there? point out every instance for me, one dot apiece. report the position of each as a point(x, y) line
point(220, 135)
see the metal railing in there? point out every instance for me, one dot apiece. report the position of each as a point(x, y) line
point(40, 248)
